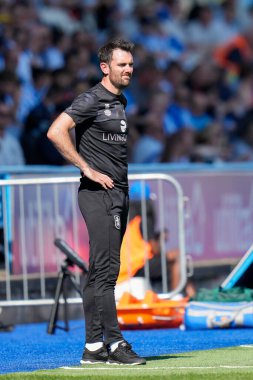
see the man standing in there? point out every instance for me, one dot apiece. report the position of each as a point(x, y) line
point(98, 116)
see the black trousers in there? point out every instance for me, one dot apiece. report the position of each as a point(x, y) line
point(105, 213)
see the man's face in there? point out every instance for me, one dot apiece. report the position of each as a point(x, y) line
point(120, 68)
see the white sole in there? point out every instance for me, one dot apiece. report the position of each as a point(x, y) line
point(115, 363)
point(90, 362)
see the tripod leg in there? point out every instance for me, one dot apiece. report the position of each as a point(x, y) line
point(54, 310)
point(66, 317)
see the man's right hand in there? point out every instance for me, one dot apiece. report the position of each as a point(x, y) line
point(59, 134)
point(105, 181)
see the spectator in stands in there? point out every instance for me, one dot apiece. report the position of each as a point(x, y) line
point(170, 15)
point(10, 99)
point(164, 48)
point(62, 15)
point(32, 93)
point(40, 53)
point(244, 12)
point(178, 115)
point(78, 65)
point(200, 116)
point(237, 53)
point(149, 146)
point(38, 149)
point(243, 144)
point(174, 77)
point(246, 85)
point(10, 59)
point(203, 30)
point(179, 146)
point(10, 150)
point(211, 145)
point(204, 78)
point(146, 81)
point(229, 22)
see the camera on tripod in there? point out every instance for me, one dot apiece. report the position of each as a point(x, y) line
point(71, 259)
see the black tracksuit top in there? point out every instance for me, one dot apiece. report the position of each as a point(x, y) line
point(101, 132)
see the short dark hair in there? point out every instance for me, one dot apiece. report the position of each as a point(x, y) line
point(105, 52)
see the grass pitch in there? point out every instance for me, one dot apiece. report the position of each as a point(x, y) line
point(222, 364)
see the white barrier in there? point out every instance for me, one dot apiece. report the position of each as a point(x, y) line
point(33, 217)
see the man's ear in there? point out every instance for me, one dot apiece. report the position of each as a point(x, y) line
point(105, 68)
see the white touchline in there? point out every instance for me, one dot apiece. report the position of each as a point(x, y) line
point(236, 366)
point(132, 368)
point(247, 345)
point(153, 368)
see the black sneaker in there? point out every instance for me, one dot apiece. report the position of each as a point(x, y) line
point(124, 355)
point(93, 357)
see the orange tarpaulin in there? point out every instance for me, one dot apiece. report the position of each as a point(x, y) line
point(150, 312)
point(134, 251)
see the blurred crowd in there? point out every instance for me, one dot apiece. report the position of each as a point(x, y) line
point(191, 96)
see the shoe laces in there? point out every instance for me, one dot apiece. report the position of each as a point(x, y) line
point(127, 347)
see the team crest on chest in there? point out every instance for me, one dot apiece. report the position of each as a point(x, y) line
point(123, 126)
point(107, 111)
point(117, 221)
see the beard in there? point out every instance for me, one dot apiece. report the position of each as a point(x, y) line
point(120, 83)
